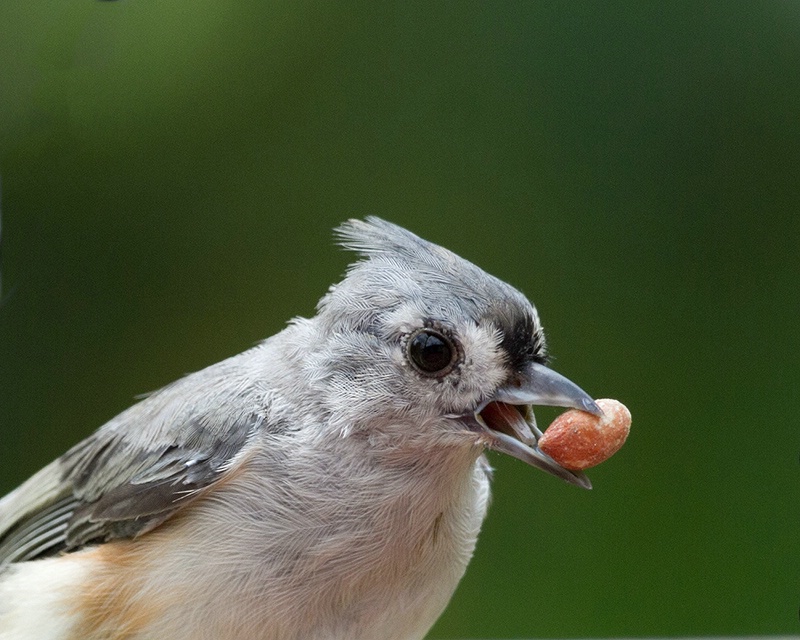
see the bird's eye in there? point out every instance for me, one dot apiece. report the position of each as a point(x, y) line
point(431, 352)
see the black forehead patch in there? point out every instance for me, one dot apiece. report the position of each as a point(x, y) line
point(523, 340)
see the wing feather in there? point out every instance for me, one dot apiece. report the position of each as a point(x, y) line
point(137, 470)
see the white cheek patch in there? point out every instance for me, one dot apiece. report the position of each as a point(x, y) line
point(484, 365)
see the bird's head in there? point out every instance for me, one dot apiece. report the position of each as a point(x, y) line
point(421, 344)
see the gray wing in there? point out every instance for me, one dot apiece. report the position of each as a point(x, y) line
point(134, 472)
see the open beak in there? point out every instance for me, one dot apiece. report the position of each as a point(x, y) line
point(507, 423)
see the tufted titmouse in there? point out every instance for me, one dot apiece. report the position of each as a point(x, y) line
point(327, 484)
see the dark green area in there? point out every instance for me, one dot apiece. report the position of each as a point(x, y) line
point(171, 172)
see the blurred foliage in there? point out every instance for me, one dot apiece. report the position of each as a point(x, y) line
point(171, 172)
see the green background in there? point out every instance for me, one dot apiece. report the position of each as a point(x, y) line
point(171, 172)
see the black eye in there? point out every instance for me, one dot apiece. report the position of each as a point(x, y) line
point(430, 351)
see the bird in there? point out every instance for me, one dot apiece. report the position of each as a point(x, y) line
point(328, 483)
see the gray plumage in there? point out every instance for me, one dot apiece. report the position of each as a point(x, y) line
point(305, 459)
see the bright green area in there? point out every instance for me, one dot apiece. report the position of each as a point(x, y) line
point(171, 172)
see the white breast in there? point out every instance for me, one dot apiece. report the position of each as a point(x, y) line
point(272, 559)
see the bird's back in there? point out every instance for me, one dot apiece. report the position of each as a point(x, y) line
point(311, 535)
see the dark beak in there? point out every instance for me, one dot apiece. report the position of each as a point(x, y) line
point(508, 423)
